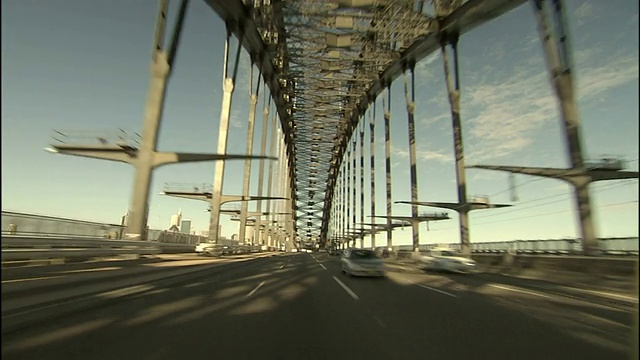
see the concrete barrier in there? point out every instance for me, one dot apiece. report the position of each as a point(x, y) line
point(605, 272)
point(602, 267)
point(66, 249)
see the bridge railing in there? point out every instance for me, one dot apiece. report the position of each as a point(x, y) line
point(18, 224)
point(25, 224)
point(32, 248)
point(607, 246)
point(627, 246)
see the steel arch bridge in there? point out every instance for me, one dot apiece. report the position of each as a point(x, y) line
point(325, 63)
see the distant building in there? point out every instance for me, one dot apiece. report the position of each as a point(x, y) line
point(176, 219)
point(185, 226)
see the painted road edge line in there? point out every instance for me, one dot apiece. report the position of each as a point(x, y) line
point(518, 290)
point(437, 290)
point(256, 289)
point(346, 288)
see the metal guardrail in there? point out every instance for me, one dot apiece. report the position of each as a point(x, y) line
point(28, 234)
point(34, 225)
point(19, 223)
point(623, 246)
point(33, 248)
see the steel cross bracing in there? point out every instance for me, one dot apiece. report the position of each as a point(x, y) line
point(335, 53)
point(325, 62)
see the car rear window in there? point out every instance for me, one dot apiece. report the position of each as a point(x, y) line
point(363, 254)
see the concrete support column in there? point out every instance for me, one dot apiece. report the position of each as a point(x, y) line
point(337, 205)
point(277, 188)
point(223, 135)
point(387, 150)
point(453, 90)
point(413, 173)
point(353, 179)
point(218, 180)
point(372, 169)
point(557, 54)
point(362, 120)
point(259, 234)
point(146, 156)
point(342, 207)
point(137, 220)
point(291, 206)
point(273, 148)
point(348, 188)
point(253, 101)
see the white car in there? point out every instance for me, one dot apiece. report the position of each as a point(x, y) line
point(210, 249)
point(446, 260)
point(362, 262)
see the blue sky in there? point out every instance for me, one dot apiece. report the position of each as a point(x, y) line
point(84, 65)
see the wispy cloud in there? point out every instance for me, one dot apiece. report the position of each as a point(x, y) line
point(510, 105)
point(438, 119)
point(585, 13)
point(235, 122)
point(529, 42)
point(595, 81)
point(484, 175)
point(495, 50)
point(421, 154)
point(435, 155)
point(508, 110)
point(426, 71)
point(401, 152)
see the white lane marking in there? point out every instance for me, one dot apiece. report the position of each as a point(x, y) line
point(437, 290)
point(346, 288)
point(256, 289)
point(607, 321)
point(30, 279)
point(126, 291)
point(379, 321)
point(609, 294)
point(518, 290)
point(322, 266)
point(90, 270)
point(194, 284)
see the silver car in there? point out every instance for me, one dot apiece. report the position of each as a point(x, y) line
point(446, 260)
point(362, 262)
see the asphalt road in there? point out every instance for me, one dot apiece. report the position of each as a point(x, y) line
point(300, 306)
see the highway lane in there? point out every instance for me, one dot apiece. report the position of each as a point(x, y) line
point(32, 287)
point(55, 291)
point(299, 306)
